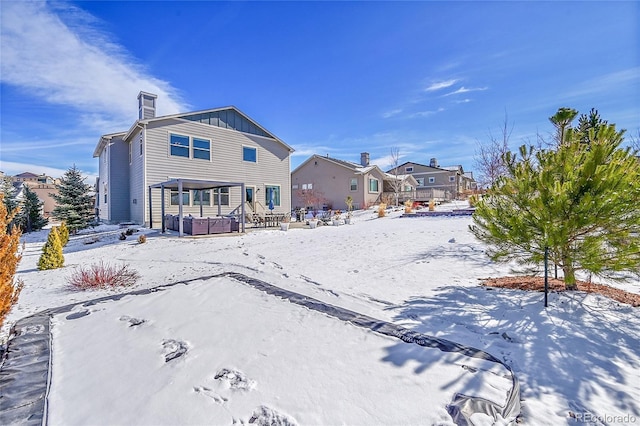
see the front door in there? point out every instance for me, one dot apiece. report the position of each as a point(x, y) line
point(250, 195)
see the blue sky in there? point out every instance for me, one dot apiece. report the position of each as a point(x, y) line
point(431, 79)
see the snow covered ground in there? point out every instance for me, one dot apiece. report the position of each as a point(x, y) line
point(246, 356)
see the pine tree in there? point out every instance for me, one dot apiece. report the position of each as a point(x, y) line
point(579, 200)
point(74, 203)
point(9, 200)
point(30, 216)
point(9, 259)
point(64, 234)
point(51, 257)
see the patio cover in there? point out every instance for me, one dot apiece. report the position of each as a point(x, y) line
point(182, 185)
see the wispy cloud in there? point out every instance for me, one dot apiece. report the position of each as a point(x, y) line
point(391, 113)
point(620, 80)
point(440, 85)
point(426, 113)
point(55, 52)
point(463, 89)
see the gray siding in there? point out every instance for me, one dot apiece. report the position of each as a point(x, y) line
point(119, 181)
point(226, 164)
point(136, 180)
point(103, 181)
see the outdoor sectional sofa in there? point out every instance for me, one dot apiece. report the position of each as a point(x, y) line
point(202, 225)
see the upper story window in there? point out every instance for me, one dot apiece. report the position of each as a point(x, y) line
point(353, 186)
point(408, 169)
point(452, 178)
point(306, 186)
point(272, 193)
point(189, 147)
point(420, 181)
point(373, 185)
point(179, 145)
point(202, 149)
point(223, 193)
point(249, 154)
point(432, 180)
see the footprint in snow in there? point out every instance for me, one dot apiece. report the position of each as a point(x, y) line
point(235, 379)
point(175, 349)
point(77, 315)
point(133, 322)
point(211, 394)
point(267, 416)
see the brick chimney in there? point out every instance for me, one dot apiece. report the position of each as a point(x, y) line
point(364, 159)
point(146, 105)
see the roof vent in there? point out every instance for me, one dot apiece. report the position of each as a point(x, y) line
point(433, 162)
point(146, 105)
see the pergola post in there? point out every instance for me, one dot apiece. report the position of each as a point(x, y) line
point(180, 211)
point(164, 229)
point(243, 198)
point(150, 212)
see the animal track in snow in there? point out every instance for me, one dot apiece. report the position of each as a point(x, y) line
point(175, 349)
point(235, 379)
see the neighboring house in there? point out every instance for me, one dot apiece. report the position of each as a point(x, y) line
point(221, 145)
point(42, 185)
point(334, 180)
point(438, 182)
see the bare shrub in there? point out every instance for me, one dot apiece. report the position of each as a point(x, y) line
point(103, 275)
point(142, 239)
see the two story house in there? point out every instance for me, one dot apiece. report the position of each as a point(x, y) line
point(216, 145)
point(435, 182)
point(42, 185)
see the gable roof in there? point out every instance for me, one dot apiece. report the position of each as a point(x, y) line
point(27, 175)
point(217, 117)
point(104, 140)
point(215, 113)
point(355, 167)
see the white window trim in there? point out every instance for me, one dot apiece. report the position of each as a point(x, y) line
point(214, 197)
point(193, 148)
point(279, 190)
point(169, 145)
point(432, 179)
point(250, 147)
point(351, 186)
point(378, 185)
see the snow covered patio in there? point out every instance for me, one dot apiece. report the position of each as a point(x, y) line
point(253, 355)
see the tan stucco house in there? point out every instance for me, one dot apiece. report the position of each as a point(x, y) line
point(334, 180)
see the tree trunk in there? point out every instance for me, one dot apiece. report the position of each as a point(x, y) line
point(569, 274)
